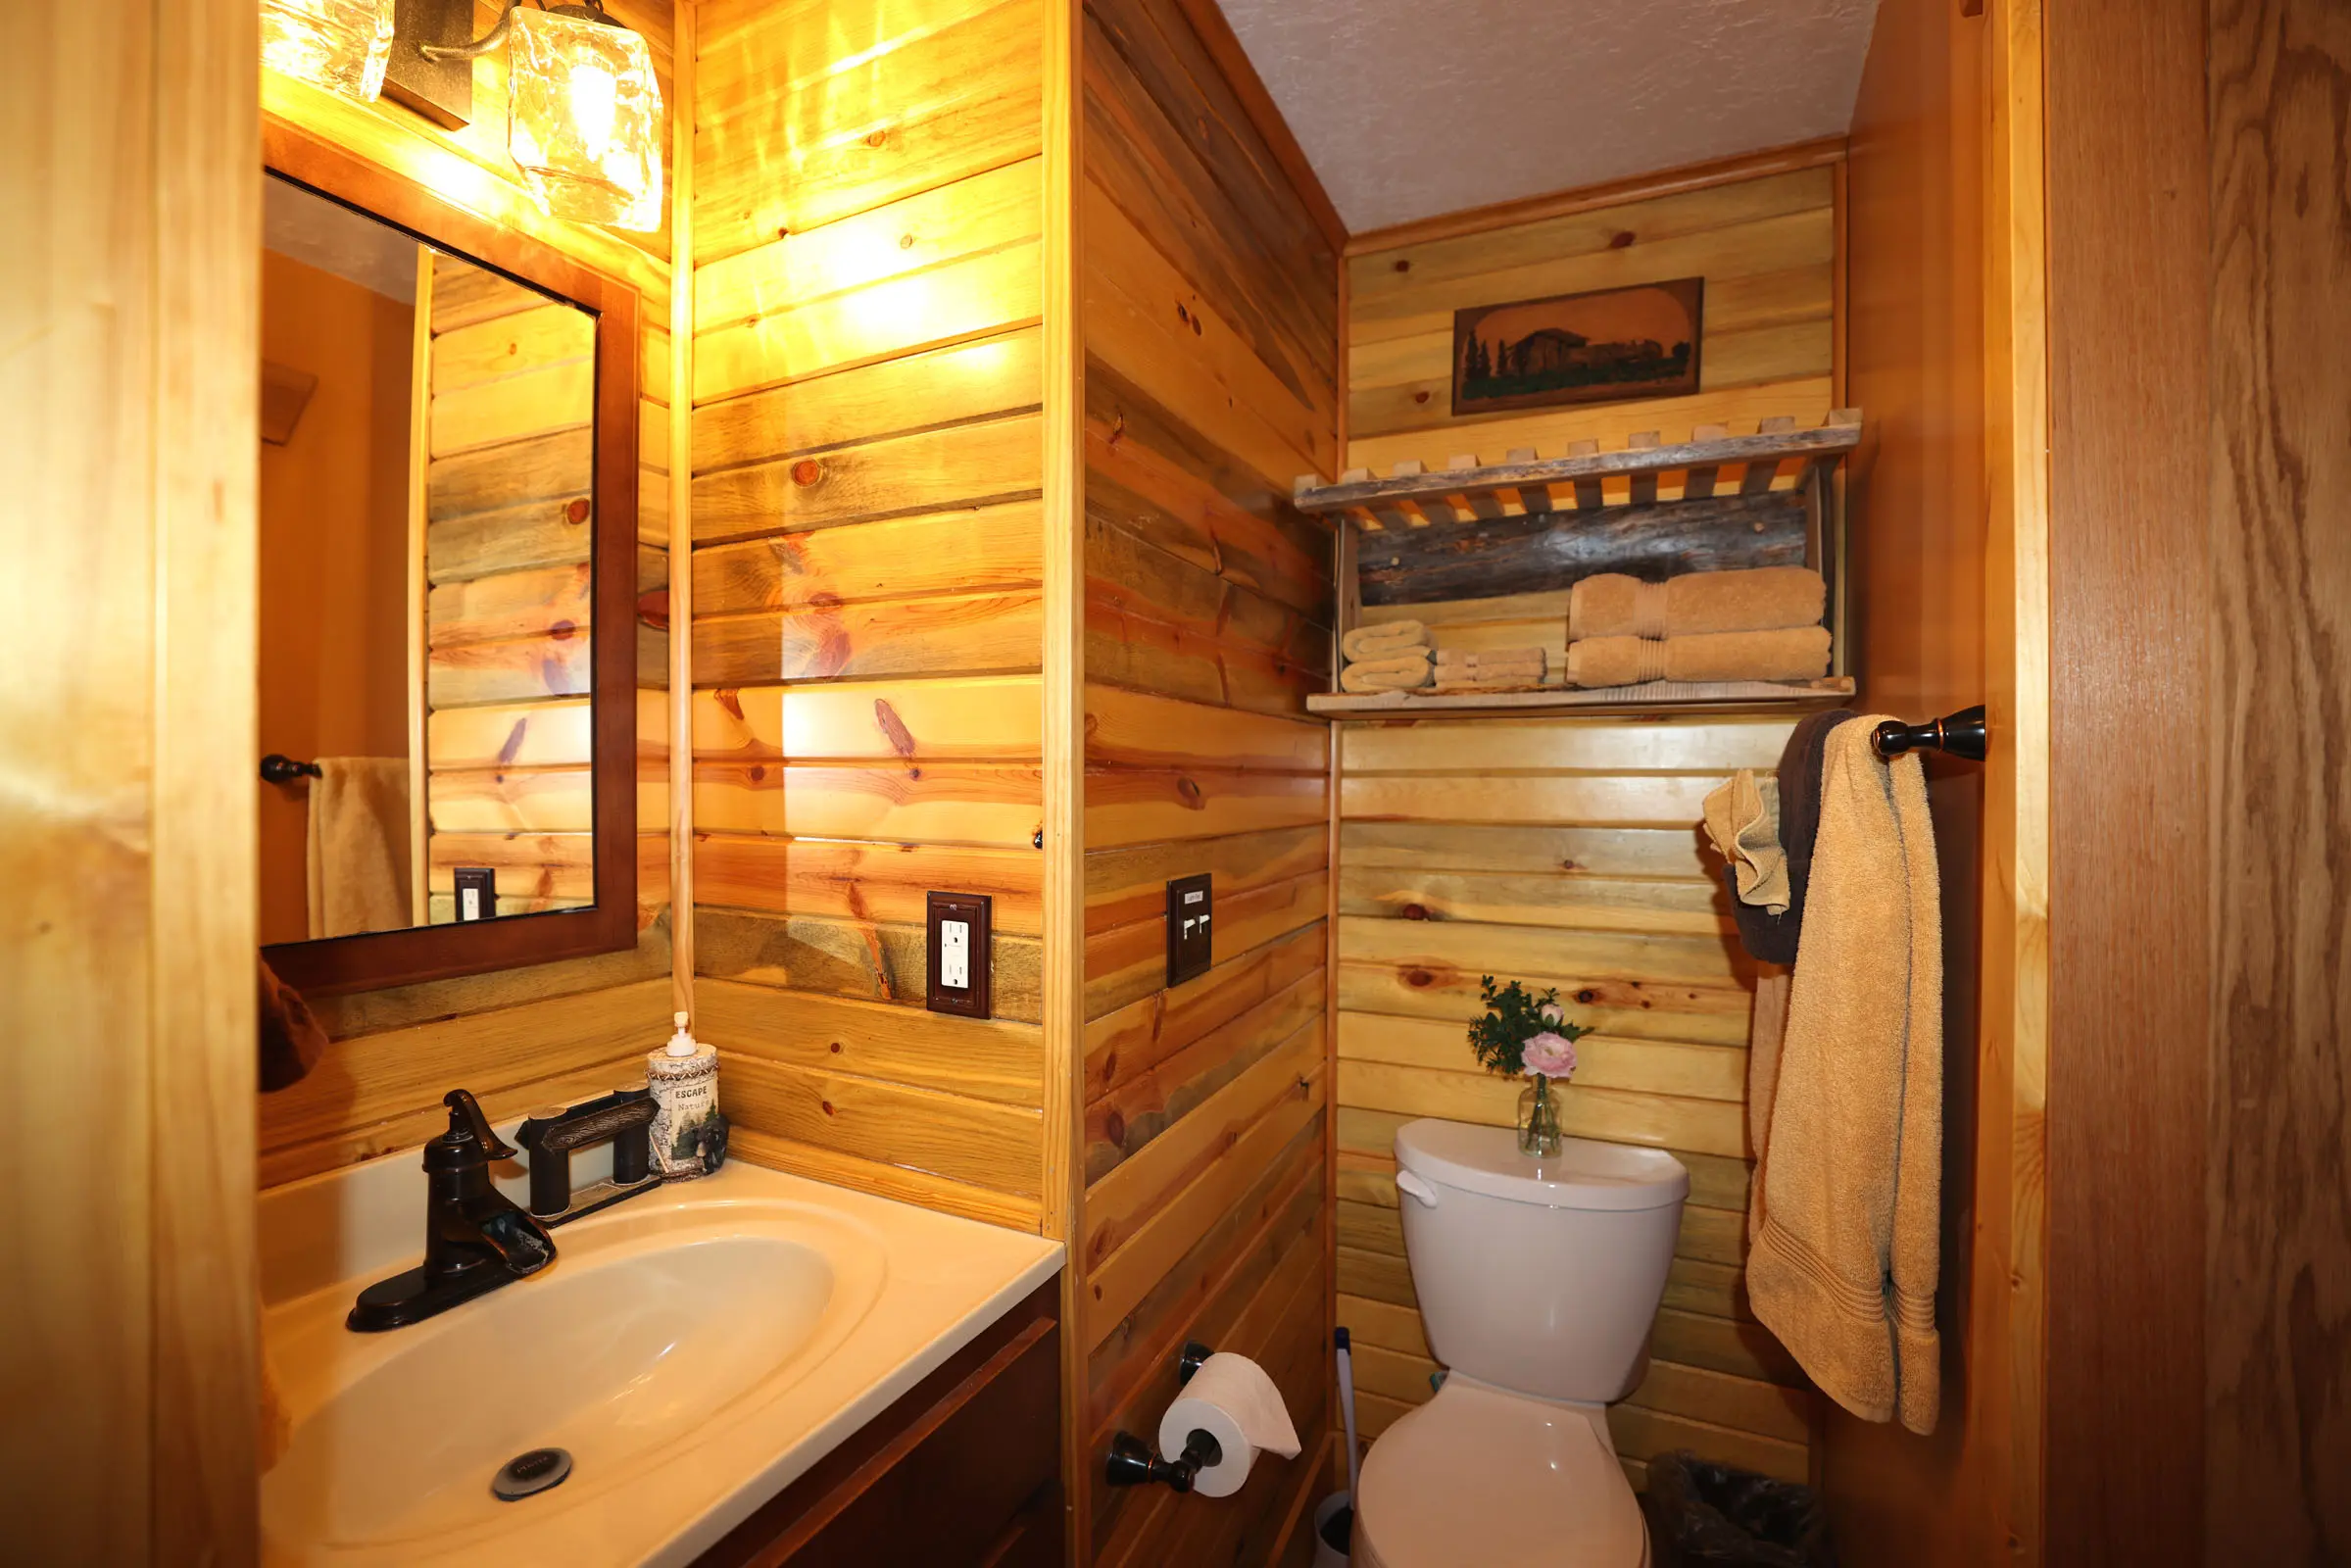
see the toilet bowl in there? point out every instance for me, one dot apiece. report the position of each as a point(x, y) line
point(1538, 1281)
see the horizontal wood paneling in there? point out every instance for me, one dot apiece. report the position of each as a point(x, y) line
point(866, 624)
point(1567, 853)
point(1209, 302)
point(940, 94)
point(1558, 852)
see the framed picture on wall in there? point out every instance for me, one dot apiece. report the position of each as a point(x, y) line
point(1610, 345)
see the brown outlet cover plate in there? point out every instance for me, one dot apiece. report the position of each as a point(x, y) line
point(956, 947)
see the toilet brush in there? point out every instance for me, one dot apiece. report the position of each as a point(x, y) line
point(1347, 1409)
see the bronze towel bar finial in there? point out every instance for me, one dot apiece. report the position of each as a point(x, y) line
point(1959, 734)
point(279, 769)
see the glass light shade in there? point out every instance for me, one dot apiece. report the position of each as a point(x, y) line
point(340, 45)
point(585, 123)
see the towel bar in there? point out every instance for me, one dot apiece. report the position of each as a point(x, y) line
point(1959, 734)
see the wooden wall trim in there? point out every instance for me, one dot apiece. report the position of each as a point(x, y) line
point(1208, 20)
point(1064, 475)
point(204, 1326)
point(1814, 154)
point(684, 41)
point(2130, 659)
point(2011, 1269)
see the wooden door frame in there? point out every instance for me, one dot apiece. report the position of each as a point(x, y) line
point(2128, 609)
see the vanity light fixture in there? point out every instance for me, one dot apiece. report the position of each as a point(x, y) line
point(341, 45)
point(583, 112)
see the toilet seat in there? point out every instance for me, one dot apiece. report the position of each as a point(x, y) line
point(1482, 1478)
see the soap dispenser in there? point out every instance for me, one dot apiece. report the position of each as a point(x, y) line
point(689, 1136)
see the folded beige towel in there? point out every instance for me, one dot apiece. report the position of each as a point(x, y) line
point(1497, 659)
point(1463, 688)
point(1758, 598)
point(1845, 1254)
point(1402, 674)
point(1796, 653)
point(1742, 818)
point(1357, 679)
point(359, 845)
point(1385, 640)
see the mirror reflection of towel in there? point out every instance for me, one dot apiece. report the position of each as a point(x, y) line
point(359, 845)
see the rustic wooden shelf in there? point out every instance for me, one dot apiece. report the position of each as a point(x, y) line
point(1677, 695)
point(1467, 491)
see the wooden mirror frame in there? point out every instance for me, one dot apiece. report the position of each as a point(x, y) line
point(381, 958)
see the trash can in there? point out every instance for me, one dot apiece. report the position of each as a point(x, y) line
point(1705, 1516)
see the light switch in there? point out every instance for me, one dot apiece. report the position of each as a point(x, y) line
point(1189, 948)
point(957, 952)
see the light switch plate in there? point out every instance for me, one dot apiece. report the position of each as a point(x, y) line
point(957, 973)
point(1189, 948)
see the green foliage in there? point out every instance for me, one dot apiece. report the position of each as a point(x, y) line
point(1513, 1017)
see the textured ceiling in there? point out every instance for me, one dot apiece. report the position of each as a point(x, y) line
point(1410, 108)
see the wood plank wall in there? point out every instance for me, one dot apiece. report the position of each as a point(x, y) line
point(866, 629)
point(1210, 319)
point(2277, 1406)
point(557, 1031)
point(511, 411)
point(1566, 851)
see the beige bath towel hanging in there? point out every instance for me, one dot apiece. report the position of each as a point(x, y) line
point(1846, 1250)
point(359, 845)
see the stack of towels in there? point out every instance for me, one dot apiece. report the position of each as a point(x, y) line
point(1758, 624)
point(1393, 656)
point(1502, 670)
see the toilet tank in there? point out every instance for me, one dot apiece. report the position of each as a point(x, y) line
point(1539, 1276)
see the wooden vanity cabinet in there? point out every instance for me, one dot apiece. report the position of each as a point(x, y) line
point(965, 1467)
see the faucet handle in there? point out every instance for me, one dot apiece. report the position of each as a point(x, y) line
point(466, 1120)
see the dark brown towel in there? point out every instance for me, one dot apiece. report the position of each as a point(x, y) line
point(1772, 938)
point(291, 1038)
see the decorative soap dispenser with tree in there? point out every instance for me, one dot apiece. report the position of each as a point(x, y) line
point(689, 1135)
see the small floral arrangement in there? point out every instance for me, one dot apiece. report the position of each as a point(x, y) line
point(1523, 1035)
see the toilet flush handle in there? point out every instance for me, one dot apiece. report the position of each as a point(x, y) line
point(1407, 1182)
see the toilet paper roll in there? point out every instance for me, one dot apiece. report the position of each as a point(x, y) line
point(1232, 1399)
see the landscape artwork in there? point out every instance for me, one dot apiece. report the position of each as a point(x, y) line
point(1603, 347)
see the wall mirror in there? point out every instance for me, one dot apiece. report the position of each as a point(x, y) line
point(445, 771)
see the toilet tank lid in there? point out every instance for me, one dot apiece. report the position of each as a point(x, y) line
point(1583, 1174)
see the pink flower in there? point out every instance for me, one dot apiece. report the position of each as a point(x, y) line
point(1552, 1056)
point(1552, 1012)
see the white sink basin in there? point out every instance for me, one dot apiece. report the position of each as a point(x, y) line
point(693, 1350)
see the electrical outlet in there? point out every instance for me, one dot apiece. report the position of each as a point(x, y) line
point(1189, 947)
point(956, 946)
point(476, 892)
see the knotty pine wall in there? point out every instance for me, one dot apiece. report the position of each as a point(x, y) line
point(1566, 851)
point(867, 537)
point(567, 1030)
point(507, 629)
point(1210, 309)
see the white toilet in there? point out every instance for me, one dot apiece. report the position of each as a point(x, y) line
point(1536, 1280)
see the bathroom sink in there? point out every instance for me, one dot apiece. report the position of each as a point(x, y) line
point(692, 1351)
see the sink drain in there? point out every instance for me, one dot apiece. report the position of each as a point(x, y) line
point(528, 1474)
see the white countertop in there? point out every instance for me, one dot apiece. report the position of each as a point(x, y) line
point(384, 1467)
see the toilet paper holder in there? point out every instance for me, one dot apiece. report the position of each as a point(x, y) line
point(1132, 1464)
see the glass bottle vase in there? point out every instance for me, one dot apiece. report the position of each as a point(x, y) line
point(1537, 1120)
